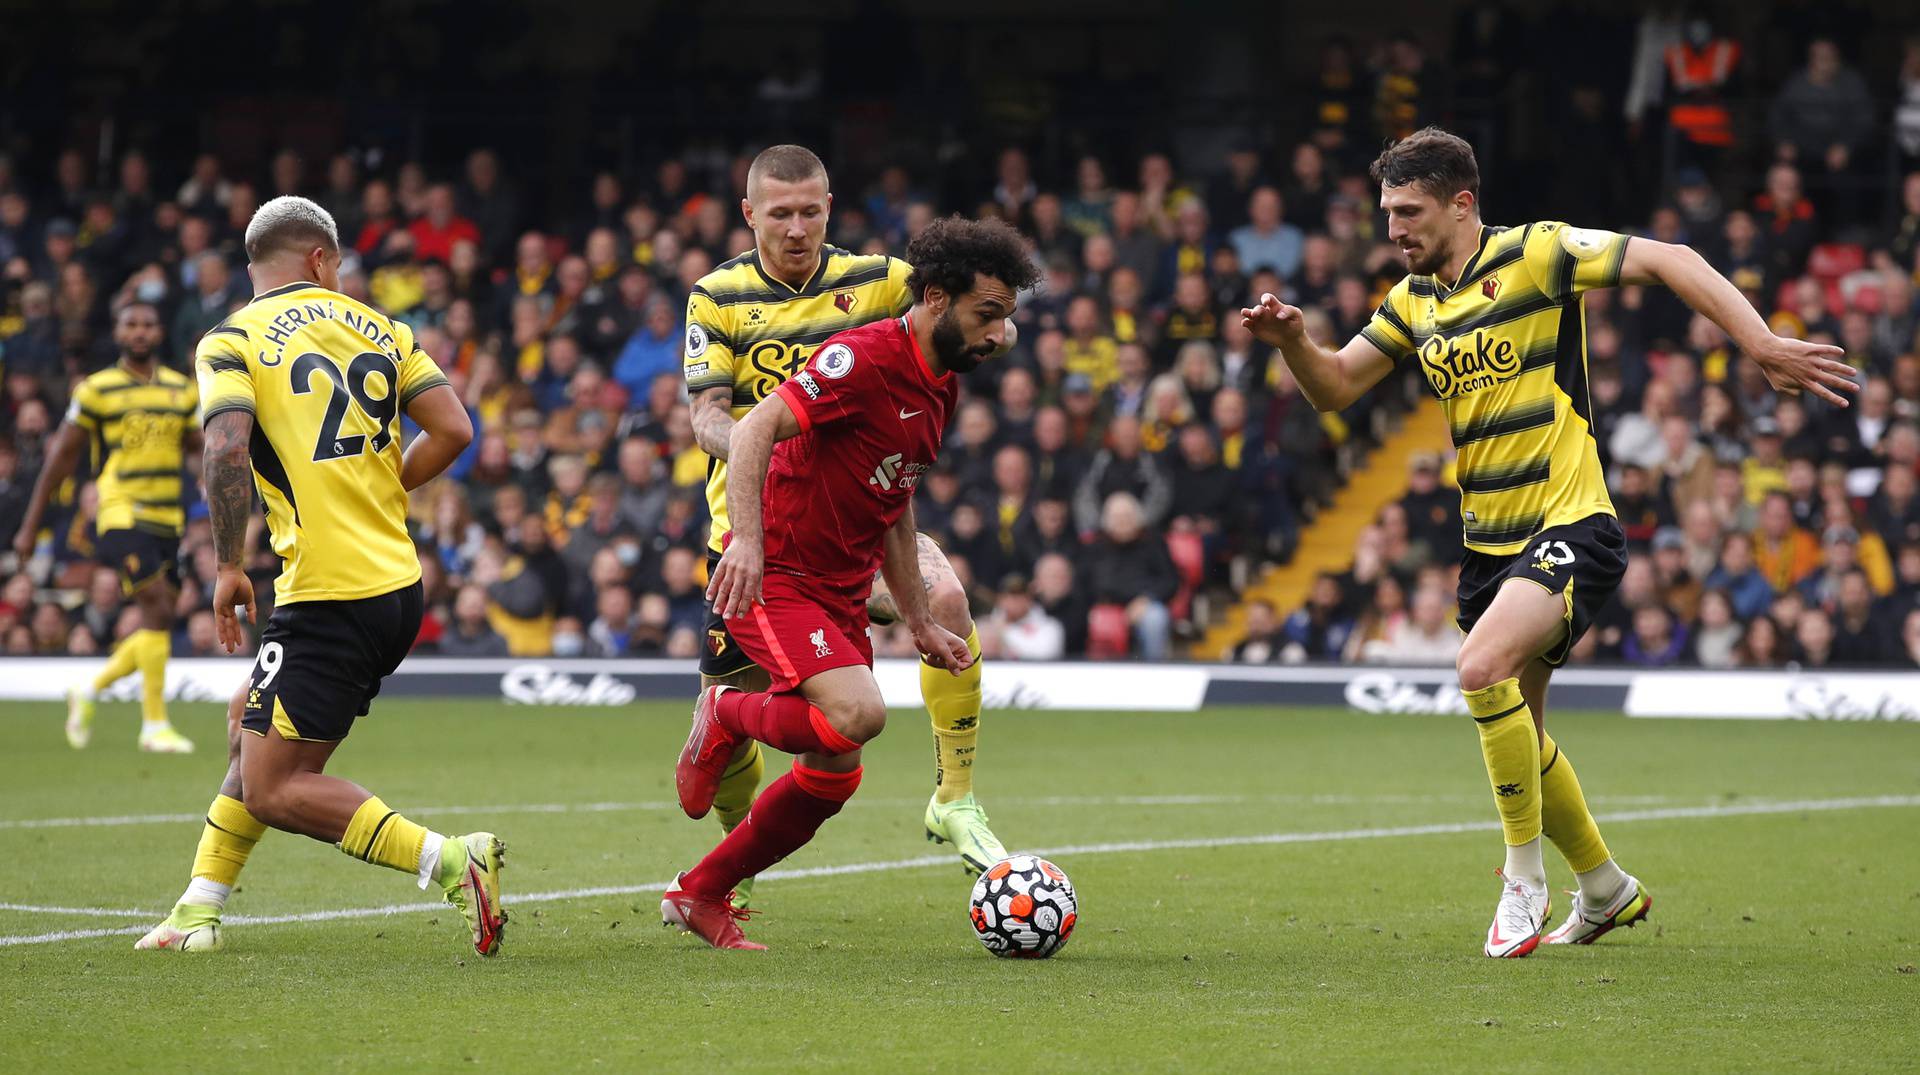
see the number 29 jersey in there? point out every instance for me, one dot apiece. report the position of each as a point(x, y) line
point(326, 379)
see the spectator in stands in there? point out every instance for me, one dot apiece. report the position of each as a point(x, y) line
point(1716, 641)
point(1020, 628)
point(652, 350)
point(1859, 638)
point(1679, 590)
point(1823, 115)
point(1655, 640)
point(1129, 567)
point(1839, 554)
point(1813, 639)
point(612, 630)
point(1787, 221)
point(1318, 631)
point(1783, 552)
point(1267, 241)
point(470, 635)
point(1123, 467)
point(1057, 591)
point(1640, 509)
point(1088, 348)
point(1263, 641)
point(1432, 511)
point(1205, 492)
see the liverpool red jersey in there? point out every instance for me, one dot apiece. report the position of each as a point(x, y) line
point(871, 416)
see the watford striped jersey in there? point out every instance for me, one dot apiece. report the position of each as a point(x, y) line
point(326, 379)
point(138, 427)
point(750, 332)
point(1505, 351)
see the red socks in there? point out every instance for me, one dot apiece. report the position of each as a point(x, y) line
point(782, 721)
point(782, 820)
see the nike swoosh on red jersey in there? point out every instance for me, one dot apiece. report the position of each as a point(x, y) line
point(906, 414)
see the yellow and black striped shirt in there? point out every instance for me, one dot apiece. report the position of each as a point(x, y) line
point(326, 379)
point(1505, 351)
point(750, 332)
point(138, 428)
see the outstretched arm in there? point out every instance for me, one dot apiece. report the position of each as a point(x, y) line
point(1790, 365)
point(1331, 380)
point(735, 586)
point(62, 457)
point(227, 473)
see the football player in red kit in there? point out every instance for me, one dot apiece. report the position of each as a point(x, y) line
point(820, 485)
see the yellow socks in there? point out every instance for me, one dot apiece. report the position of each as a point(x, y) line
point(733, 798)
point(381, 836)
point(225, 844)
point(1511, 747)
point(155, 648)
point(124, 659)
point(1563, 811)
point(954, 703)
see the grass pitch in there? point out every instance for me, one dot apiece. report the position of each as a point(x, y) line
point(1260, 890)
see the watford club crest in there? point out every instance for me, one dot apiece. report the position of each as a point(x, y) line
point(844, 301)
point(1490, 287)
point(717, 642)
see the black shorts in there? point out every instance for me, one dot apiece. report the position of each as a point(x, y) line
point(321, 663)
point(1582, 561)
point(719, 654)
point(141, 557)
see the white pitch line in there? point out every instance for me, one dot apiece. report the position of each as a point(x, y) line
point(118, 820)
point(1678, 813)
point(91, 912)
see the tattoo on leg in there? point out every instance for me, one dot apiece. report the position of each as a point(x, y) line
point(882, 610)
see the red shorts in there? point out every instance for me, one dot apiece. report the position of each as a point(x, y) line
point(803, 629)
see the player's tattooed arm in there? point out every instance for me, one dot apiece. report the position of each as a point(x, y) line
point(227, 473)
point(228, 476)
point(713, 420)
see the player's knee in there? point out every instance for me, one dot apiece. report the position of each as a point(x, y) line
point(860, 719)
point(268, 805)
point(1480, 667)
point(950, 608)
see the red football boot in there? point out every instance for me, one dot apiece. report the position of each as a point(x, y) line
point(709, 747)
point(714, 920)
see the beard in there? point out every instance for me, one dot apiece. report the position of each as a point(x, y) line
point(138, 354)
point(950, 346)
point(1430, 260)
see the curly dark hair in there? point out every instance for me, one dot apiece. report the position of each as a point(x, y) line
point(1437, 161)
point(949, 253)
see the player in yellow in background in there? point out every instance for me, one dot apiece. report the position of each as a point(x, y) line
point(752, 323)
point(304, 389)
point(137, 418)
point(1493, 317)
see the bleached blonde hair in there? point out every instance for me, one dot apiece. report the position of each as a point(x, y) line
point(289, 222)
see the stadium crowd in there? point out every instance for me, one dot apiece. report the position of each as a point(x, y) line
point(1131, 465)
